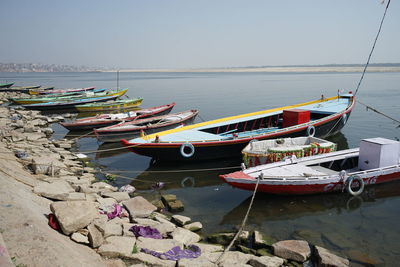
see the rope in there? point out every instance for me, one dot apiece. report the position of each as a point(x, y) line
point(80, 136)
point(178, 171)
point(243, 222)
point(372, 50)
point(379, 112)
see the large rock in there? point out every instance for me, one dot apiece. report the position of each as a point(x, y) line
point(159, 245)
point(149, 260)
point(262, 241)
point(266, 261)
point(117, 246)
point(229, 258)
point(139, 207)
point(165, 225)
point(328, 259)
point(80, 238)
point(185, 236)
point(111, 229)
point(195, 226)
point(221, 238)
point(118, 196)
point(74, 215)
point(47, 165)
point(59, 190)
point(197, 262)
point(208, 248)
point(181, 220)
point(298, 250)
point(95, 236)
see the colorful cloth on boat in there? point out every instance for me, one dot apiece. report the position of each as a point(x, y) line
point(145, 231)
point(176, 253)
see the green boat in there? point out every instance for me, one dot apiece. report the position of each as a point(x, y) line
point(34, 100)
point(110, 105)
point(6, 85)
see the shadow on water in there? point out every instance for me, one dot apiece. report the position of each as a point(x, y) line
point(340, 140)
point(337, 221)
point(276, 208)
point(182, 175)
point(107, 150)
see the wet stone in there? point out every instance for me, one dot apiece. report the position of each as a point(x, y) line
point(297, 250)
point(327, 258)
point(181, 220)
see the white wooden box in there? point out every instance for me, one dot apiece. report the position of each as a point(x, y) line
point(378, 152)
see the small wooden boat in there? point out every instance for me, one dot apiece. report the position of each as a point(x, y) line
point(226, 137)
point(59, 91)
point(20, 89)
point(103, 120)
point(273, 150)
point(6, 85)
point(110, 105)
point(375, 161)
point(64, 105)
point(61, 98)
point(134, 128)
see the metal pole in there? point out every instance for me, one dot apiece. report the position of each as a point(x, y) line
point(117, 79)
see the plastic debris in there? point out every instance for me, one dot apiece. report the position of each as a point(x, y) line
point(127, 188)
point(21, 154)
point(157, 185)
point(176, 253)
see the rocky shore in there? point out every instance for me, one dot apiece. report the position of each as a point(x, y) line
point(55, 212)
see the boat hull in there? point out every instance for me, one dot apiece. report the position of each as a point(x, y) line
point(231, 148)
point(66, 105)
point(116, 136)
point(93, 124)
point(110, 106)
point(6, 85)
point(237, 179)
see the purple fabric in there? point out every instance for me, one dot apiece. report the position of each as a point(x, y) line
point(176, 253)
point(117, 212)
point(145, 231)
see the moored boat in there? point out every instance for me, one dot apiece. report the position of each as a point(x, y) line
point(6, 85)
point(272, 150)
point(151, 125)
point(63, 105)
point(226, 137)
point(60, 91)
point(377, 160)
point(68, 97)
point(111, 105)
point(103, 120)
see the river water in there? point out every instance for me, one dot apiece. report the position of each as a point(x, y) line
point(363, 228)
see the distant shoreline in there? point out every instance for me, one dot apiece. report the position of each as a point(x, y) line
point(328, 68)
point(306, 69)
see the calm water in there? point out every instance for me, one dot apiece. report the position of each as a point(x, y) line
point(363, 227)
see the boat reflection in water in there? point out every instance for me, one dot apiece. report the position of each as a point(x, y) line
point(177, 175)
point(337, 221)
point(107, 150)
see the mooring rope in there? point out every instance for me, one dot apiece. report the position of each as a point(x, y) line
point(372, 50)
point(243, 222)
point(379, 112)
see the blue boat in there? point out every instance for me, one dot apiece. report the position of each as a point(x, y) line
point(226, 137)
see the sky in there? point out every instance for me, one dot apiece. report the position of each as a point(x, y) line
point(197, 34)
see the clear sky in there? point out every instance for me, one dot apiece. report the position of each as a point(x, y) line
point(197, 34)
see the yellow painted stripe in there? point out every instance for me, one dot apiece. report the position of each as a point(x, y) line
point(192, 126)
